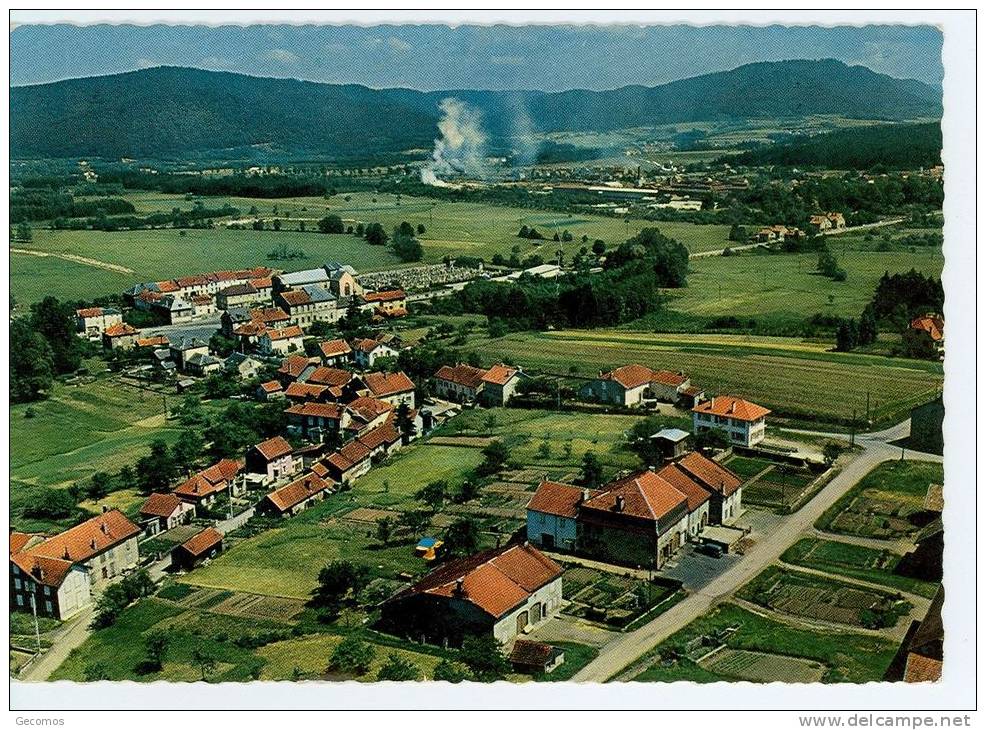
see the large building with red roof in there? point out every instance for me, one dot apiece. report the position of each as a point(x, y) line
point(631, 385)
point(742, 422)
point(59, 574)
point(637, 520)
point(502, 592)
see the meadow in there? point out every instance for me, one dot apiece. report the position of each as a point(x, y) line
point(80, 429)
point(452, 229)
point(785, 288)
point(772, 371)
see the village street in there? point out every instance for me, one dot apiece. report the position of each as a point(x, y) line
point(623, 651)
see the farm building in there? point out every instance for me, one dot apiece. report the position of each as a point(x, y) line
point(505, 592)
point(394, 388)
point(726, 488)
point(742, 422)
point(60, 573)
point(640, 520)
point(673, 442)
point(281, 341)
point(366, 352)
point(269, 391)
point(197, 549)
point(535, 657)
point(119, 335)
point(389, 303)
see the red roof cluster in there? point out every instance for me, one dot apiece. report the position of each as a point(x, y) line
point(461, 374)
point(732, 407)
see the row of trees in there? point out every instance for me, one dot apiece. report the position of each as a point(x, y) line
point(44, 345)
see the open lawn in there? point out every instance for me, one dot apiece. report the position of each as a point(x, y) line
point(568, 436)
point(285, 561)
point(396, 481)
point(78, 430)
point(856, 561)
point(846, 657)
point(887, 503)
point(785, 287)
point(456, 229)
point(771, 371)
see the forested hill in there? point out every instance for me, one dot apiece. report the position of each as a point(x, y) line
point(894, 146)
point(171, 111)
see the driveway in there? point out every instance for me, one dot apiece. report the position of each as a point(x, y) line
point(71, 636)
point(573, 630)
point(695, 570)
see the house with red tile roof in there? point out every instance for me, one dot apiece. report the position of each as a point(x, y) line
point(394, 388)
point(503, 592)
point(296, 367)
point(296, 496)
point(317, 421)
point(499, 384)
point(303, 392)
point(59, 574)
point(91, 322)
point(725, 487)
point(552, 515)
point(335, 352)
point(366, 352)
point(281, 341)
point(390, 303)
point(120, 335)
point(269, 390)
point(204, 487)
point(460, 383)
point(161, 512)
point(638, 520)
point(273, 458)
point(349, 463)
point(630, 385)
point(934, 325)
point(742, 422)
point(202, 546)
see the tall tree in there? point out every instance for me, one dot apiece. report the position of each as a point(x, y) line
point(55, 321)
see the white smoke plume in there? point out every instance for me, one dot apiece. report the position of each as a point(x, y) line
point(460, 148)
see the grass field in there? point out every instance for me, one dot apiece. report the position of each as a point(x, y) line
point(855, 561)
point(473, 229)
point(774, 289)
point(886, 502)
point(78, 430)
point(847, 657)
point(396, 481)
point(770, 371)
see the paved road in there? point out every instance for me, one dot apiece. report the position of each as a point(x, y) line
point(629, 647)
point(71, 635)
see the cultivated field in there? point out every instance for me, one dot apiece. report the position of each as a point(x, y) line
point(855, 561)
point(888, 503)
point(758, 666)
point(811, 597)
point(612, 599)
point(844, 656)
point(775, 485)
point(771, 371)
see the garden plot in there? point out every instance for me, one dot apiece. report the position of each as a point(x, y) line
point(812, 597)
point(778, 486)
point(875, 515)
point(756, 666)
point(271, 608)
point(612, 599)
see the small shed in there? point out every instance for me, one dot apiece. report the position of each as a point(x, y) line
point(673, 442)
point(200, 547)
point(535, 657)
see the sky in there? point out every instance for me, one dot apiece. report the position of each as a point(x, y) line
point(430, 56)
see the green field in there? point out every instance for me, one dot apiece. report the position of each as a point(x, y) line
point(473, 229)
point(396, 481)
point(78, 430)
point(776, 288)
point(771, 371)
point(855, 561)
point(847, 657)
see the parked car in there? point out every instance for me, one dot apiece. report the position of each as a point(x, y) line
point(710, 549)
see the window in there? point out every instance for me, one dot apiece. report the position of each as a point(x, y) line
point(47, 590)
point(17, 583)
point(48, 607)
point(20, 599)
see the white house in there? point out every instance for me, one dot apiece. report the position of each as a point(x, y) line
point(500, 383)
point(163, 512)
point(366, 352)
point(460, 383)
point(91, 322)
point(742, 422)
point(282, 341)
point(552, 515)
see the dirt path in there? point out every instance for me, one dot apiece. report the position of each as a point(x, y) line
point(76, 259)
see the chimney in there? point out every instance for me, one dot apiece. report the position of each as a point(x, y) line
point(92, 544)
point(459, 589)
point(66, 555)
point(36, 570)
point(584, 497)
point(620, 503)
point(103, 528)
point(105, 509)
